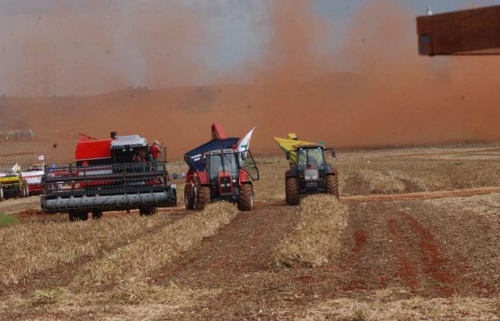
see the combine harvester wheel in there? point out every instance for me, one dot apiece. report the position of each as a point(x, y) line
point(148, 210)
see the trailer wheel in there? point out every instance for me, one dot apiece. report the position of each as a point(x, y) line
point(203, 197)
point(188, 201)
point(72, 216)
point(96, 214)
point(292, 191)
point(148, 210)
point(246, 202)
point(1, 193)
point(332, 185)
point(84, 216)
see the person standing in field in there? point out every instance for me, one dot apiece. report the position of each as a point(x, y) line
point(155, 151)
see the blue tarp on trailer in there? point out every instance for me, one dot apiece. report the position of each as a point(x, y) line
point(194, 157)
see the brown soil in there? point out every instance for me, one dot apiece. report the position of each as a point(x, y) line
point(392, 241)
point(384, 247)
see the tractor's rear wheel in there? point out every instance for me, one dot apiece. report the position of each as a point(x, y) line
point(188, 199)
point(203, 197)
point(292, 191)
point(1, 193)
point(332, 185)
point(246, 202)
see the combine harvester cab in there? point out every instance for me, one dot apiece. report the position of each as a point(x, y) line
point(220, 169)
point(309, 172)
point(105, 178)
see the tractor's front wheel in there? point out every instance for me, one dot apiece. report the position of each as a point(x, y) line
point(332, 185)
point(203, 197)
point(292, 191)
point(246, 202)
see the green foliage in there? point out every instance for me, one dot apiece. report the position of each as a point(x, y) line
point(6, 219)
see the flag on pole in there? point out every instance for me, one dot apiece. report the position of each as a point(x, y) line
point(41, 158)
point(15, 168)
point(244, 144)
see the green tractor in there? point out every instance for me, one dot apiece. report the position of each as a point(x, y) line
point(13, 186)
point(309, 172)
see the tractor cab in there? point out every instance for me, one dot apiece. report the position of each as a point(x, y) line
point(222, 169)
point(222, 163)
point(227, 168)
point(310, 157)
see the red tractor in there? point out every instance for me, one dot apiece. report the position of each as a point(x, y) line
point(107, 177)
point(219, 170)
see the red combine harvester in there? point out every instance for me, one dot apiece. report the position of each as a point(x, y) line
point(220, 169)
point(108, 177)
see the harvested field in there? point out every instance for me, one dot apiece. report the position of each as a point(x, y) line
point(415, 236)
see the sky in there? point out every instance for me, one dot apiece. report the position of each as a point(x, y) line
point(75, 47)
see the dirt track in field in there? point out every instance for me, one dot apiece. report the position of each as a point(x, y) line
point(421, 195)
point(384, 247)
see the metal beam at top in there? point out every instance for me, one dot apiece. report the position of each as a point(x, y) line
point(466, 32)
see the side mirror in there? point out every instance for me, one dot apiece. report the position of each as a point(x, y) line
point(334, 154)
point(288, 155)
